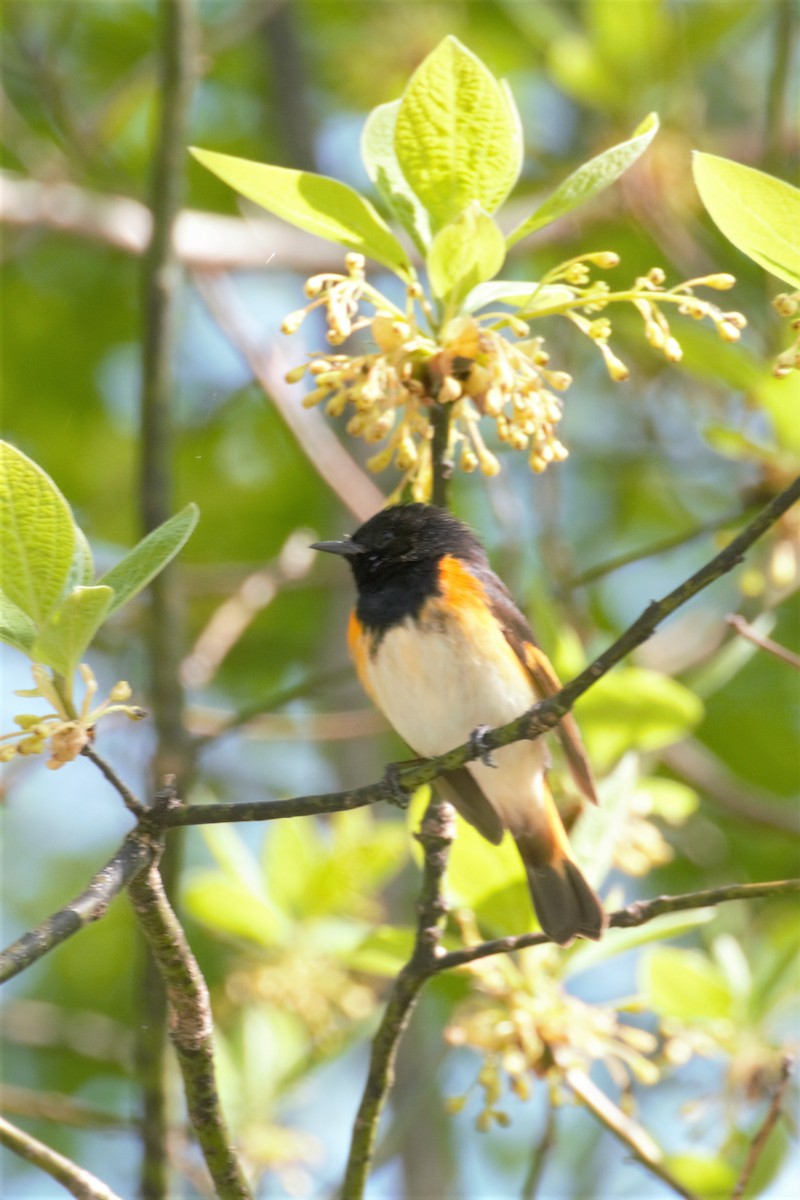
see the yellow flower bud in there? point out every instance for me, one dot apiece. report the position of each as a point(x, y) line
point(656, 276)
point(721, 282)
point(489, 464)
point(7, 753)
point(673, 351)
point(483, 1122)
point(381, 460)
point(296, 373)
point(120, 692)
point(314, 397)
point(292, 323)
point(26, 720)
point(786, 304)
point(454, 1104)
point(30, 745)
point(355, 263)
point(605, 259)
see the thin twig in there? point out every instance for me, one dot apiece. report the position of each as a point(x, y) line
point(80, 1183)
point(190, 1030)
point(135, 853)
point(540, 1155)
point(761, 1138)
point(600, 570)
point(128, 799)
point(436, 835)
point(764, 643)
point(631, 1134)
point(638, 913)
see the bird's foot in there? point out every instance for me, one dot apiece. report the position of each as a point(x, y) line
point(477, 744)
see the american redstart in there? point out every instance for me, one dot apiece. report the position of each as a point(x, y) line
point(443, 651)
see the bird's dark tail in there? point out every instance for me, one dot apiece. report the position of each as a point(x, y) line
point(566, 905)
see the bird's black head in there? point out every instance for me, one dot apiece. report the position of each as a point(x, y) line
point(398, 551)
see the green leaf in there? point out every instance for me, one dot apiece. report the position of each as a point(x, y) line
point(16, 629)
point(380, 161)
point(456, 137)
point(37, 535)
point(293, 851)
point(81, 572)
point(757, 212)
point(589, 180)
point(703, 1175)
point(464, 254)
point(529, 297)
point(230, 907)
point(670, 799)
point(384, 951)
point(152, 554)
point(685, 984)
point(633, 708)
point(320, 205)
point(70, 628)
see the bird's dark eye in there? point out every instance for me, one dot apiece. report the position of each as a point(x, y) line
point(386, 537)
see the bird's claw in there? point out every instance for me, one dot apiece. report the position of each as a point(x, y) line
point(393, 788)
point(477, 743)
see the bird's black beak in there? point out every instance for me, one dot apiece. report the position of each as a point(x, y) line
point(346, 547)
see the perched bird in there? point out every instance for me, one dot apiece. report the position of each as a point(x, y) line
point(443, 651)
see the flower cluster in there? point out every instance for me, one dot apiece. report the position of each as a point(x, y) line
point(62, 731)
point(787, 304)
point(474, 366)
point(524, 1024)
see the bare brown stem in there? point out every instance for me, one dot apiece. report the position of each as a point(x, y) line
point(78, 1182)
point(629, 1132)
point(764, 643)
point(759, 1142)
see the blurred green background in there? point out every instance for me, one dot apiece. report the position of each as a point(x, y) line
point(282, 921)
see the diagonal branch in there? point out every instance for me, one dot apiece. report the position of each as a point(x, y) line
point(80, 1183)
point(136, 852)
point(762, 1136)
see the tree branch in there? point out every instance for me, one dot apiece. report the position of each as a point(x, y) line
point(190, 1030)
point(762, 1136)
point(161, 282)
point(638, 913)
point(137, 852)
point(764, 643)
point(638, 1141)
point(80, 1183)
point(436, 835)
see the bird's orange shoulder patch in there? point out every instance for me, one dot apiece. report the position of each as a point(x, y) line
point(460, 589)
point(359, 643)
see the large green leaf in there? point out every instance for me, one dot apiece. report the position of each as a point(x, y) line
point(635, 709)
point(70, 628)
point(684, 984)
point(757, 212)
point(457, 136)
point(152, 554)
point(37, 535)
point(463, 254)
point(229, 907)
point(380, 161)
point(593, 177)
point(320, 205)
point(16, 629)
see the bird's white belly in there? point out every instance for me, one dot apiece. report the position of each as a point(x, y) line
point(436, 685)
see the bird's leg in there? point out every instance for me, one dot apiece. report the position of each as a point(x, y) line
point(392, 781)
